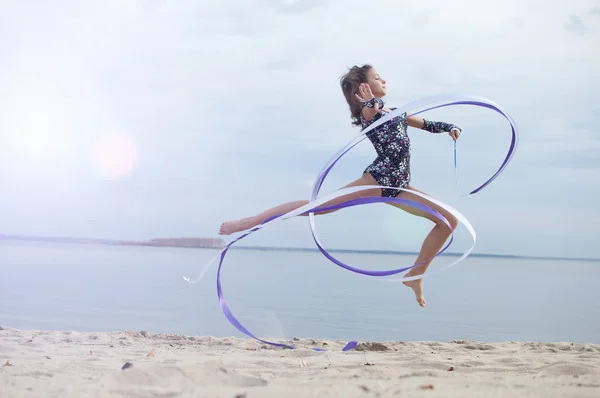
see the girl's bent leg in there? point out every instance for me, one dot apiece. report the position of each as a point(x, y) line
point(432, 243)
point(243, 224)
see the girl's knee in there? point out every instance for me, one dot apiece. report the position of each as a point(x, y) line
point(452, 221)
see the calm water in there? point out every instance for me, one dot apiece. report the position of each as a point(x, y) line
point(287, 294)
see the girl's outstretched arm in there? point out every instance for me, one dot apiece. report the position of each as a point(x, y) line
point(433, 127)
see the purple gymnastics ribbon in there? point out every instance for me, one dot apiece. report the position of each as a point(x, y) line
point(422, 105)
point(355, 202)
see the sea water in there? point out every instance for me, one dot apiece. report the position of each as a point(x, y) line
point(286, 294)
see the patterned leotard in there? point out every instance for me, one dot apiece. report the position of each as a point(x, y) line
point(392, 166)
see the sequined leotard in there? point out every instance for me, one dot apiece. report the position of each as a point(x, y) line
point(391, 168)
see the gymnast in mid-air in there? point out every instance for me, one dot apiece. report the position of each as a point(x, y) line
point(364, 89)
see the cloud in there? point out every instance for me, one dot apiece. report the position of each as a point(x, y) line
point(295, 6)
point(235, 106)
point(575, 24)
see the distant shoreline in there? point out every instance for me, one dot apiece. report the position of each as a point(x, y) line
point(218, 243)
point(392, 252)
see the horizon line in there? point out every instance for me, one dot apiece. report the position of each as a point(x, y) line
point(397, 252)
point(289, 248)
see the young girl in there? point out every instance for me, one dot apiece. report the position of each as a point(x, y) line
point(363, 88)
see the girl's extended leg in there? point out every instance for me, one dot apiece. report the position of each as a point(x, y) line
point(243, 224)
point(433, 242)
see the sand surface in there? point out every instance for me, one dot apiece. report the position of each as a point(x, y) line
point(72, 364)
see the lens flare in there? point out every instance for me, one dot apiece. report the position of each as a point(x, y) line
point(115, 155)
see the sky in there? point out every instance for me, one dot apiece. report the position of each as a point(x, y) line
point(134, 119)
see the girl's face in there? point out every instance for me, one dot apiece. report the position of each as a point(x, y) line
point(376, 83)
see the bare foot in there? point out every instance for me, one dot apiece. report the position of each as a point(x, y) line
point(417, 287)
point(230, 227)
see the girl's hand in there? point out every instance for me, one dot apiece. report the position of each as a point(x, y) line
point(365, 93)
point(454, 134)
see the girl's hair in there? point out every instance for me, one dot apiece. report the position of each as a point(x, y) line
point(350, 83)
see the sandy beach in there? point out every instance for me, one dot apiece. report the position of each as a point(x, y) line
point(140, 364)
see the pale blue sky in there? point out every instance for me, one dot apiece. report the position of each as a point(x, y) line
point(233, 106)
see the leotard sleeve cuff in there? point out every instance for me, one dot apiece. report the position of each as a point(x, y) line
point(438, 127)
point(371, 103)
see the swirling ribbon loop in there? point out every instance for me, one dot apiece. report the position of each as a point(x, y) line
point(317, 204)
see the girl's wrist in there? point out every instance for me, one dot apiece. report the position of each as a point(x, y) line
point(371, 103)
